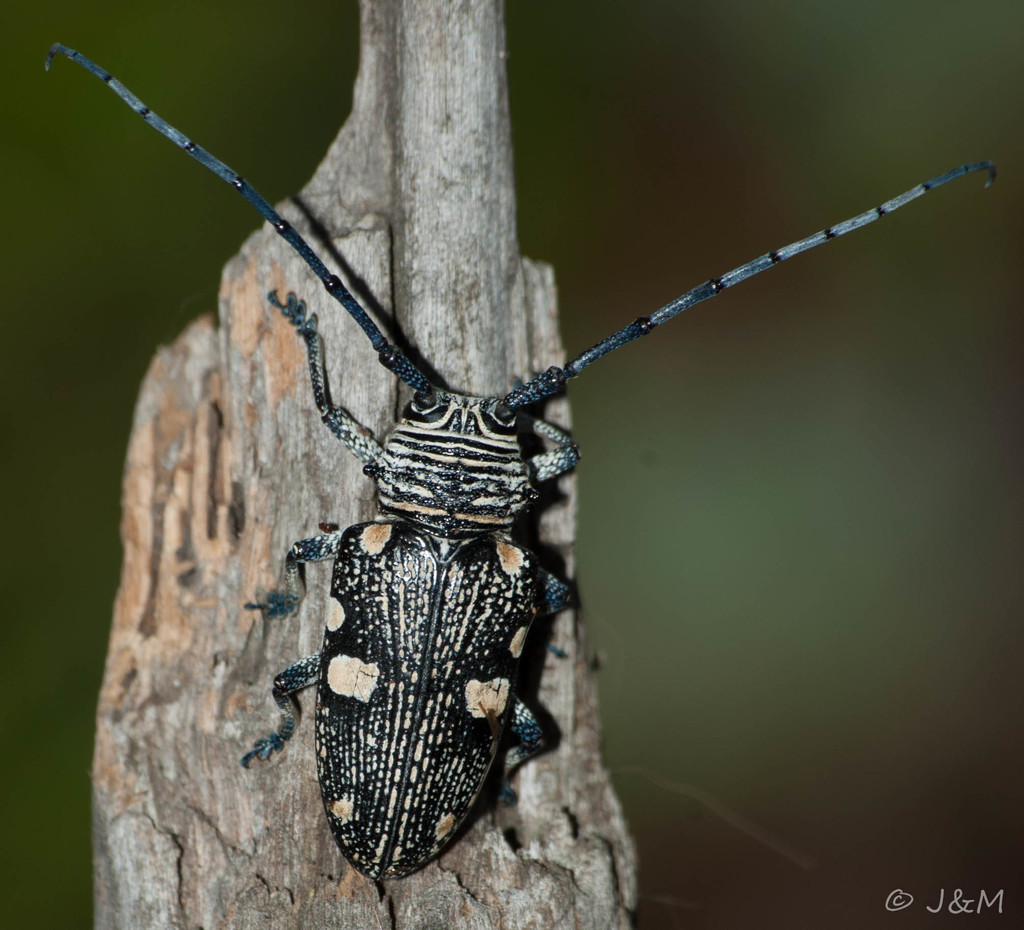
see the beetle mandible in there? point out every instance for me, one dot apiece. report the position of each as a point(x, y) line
point(432, 601)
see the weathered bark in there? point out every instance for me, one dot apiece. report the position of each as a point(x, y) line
point(229, 464)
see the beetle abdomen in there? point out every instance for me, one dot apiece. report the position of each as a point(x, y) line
point(418, 668)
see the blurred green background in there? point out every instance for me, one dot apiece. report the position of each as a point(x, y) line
point(801, 504)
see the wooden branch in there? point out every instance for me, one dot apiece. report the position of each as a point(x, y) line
point(229, 464)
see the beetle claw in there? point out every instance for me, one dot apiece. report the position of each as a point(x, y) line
point(275, 605)
point(263, 749)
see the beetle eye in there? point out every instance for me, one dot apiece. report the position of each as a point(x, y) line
point(503, 414)
point(428, 406)
point(424, 400)
point(502, 418)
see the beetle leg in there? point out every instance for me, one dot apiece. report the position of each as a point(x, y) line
point(301, 675)
point(356, 437)
point(286, 601)
point(552, 596)
point(526, 728)
point(556, 461)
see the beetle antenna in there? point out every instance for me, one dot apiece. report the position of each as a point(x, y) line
point(553, 380)
point(389, 355)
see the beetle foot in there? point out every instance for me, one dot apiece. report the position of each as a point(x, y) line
point(506, 794)
point(294, 310)
point(275, 604)
point(263, 748)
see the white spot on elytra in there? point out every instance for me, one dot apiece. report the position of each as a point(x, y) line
point(444, 826)
point(335, 616)
point(516, 646)
point(375, 537)
point(487, 698)
point(342, 809)
point(352, 677)
point(510, 557)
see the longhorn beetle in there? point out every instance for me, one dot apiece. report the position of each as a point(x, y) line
point(432, 601)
